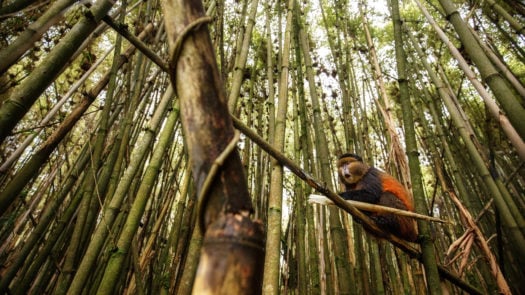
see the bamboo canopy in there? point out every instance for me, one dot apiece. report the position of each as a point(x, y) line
point(176, 146)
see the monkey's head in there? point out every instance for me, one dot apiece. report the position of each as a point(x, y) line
point(351, 169)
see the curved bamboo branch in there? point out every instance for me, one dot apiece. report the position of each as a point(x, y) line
point(322, 200)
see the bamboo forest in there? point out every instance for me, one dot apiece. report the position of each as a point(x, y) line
point(203, 147)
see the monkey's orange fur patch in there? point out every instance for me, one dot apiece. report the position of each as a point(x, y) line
point(390, 184)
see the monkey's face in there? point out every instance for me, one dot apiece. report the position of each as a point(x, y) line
point(351, 170)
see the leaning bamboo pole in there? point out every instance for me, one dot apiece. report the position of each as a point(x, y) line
point(494, 110)
point(117, 260)
point(28, 171)
point(506, 96)
point(112, 209)
point(510, 215)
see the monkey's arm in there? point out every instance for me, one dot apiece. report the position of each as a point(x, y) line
point(361, 195)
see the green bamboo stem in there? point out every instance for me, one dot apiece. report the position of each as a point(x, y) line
point(30, 169)
point(113, 208)
point(117, 259)
point(427, 245)
point(505, 95)
point(19, 103)
point(273, 229)
point(240, 61)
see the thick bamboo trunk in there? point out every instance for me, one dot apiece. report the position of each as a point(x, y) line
point(224, 200)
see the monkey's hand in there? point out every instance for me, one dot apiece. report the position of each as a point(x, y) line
point(361, 196)
point(346, 195)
